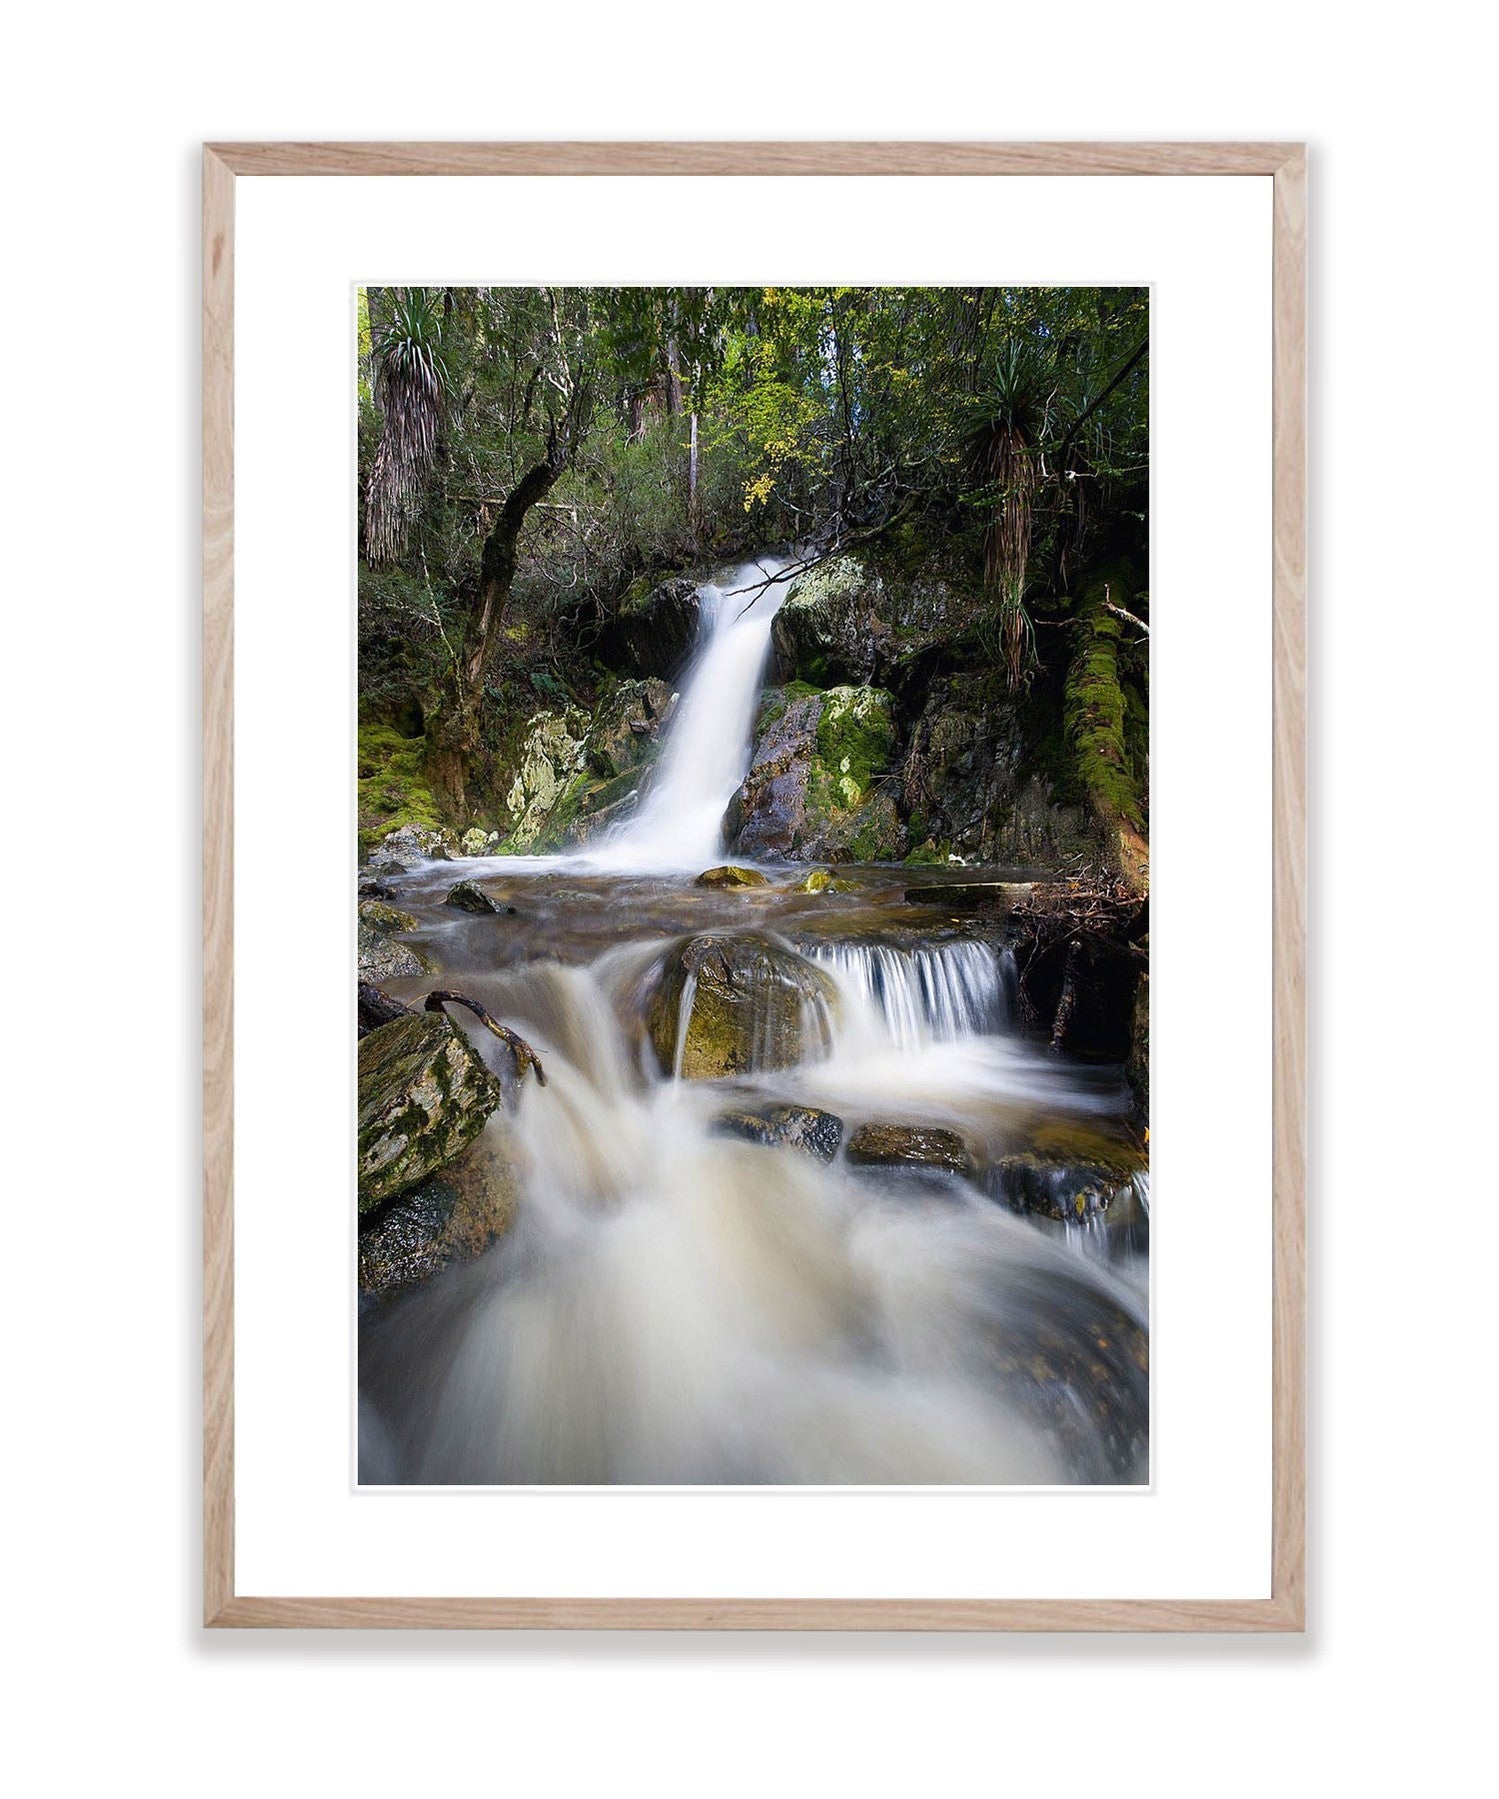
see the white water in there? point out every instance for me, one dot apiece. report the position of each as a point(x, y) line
point(675, 1306)
point(706, 750)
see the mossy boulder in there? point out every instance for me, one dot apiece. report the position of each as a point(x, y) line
point(812, 789)
point(477, 842)
point(380, 915)
point(731, 875)
point(450, 1217)
point(423, 1097)
point(820, 881)
point(735, 1004)
point(909, 1146)
point(805, 1128)
point(1108, 755)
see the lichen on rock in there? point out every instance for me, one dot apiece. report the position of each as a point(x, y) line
point(423, 1097)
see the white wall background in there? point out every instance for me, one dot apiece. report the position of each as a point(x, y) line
point(105, 109)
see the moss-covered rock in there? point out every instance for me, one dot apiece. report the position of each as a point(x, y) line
point(627, 726)
point(919, 1146)
point(737, 1004)
point(477, 842)
point(380, 915)
point(820, 881)
point(811, 791)
point(410, 846)
point(1105, 750)
point(423, 1097)
point(449, 1217)
point(859, 619)
point(729, 874)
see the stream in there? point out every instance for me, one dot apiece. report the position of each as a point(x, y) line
point(682, 1298)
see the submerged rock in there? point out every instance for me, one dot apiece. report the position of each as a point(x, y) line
point(734, 1004)
point(805, 1128)
point(1069, 1171)
point(449, 1217)
point(972, 896)
point(423, 1097)
point(731, 875)
point(812, 790)
point(909, 1146)
point(469, 896)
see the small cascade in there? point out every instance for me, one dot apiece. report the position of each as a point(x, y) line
point(935, 993)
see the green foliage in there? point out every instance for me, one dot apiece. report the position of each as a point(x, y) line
point(393, 788)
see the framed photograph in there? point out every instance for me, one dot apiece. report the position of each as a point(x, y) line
point(754, 797)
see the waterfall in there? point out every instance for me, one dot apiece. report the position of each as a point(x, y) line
point(937, 993)
point(707, 745)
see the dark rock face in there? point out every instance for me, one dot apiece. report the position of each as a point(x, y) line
point(449, 1217)
point(972, 786)
point(919, 1146)
point(655, 627)
point(423, 1097)
point(786, 1127)
point(813, 791)
point(750, 1004)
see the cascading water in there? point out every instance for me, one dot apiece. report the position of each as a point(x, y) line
point(674, 1304)
point(707, 745)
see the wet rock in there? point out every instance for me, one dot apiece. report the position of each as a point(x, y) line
point(423, 1097)
point(731, 875)
point(749, 1003)
point(1069, 1171)
point(655, 627)
point(909, 1146)
point(383, 957)
point(381, 916)
point(1137, 1063)
point(820, 881)
point(856, 620)
point(469, 896)
point(376, 890)
point(805, 1128)
point(412, 845)
point(812, 791)
point(475, 842)
point(451, 1216)
point(377, 1008)
point(627, 727)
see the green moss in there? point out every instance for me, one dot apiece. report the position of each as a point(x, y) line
point(930, 854)
point(393, 789)
point(855, 734)
point(1095, 709)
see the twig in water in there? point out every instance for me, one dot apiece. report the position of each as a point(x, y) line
point(525, 1056)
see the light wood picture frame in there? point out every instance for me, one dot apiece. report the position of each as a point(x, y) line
point(1285, 164)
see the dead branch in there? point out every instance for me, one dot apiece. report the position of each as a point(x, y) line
point(525, 1057)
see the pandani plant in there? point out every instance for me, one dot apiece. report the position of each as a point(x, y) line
point(1004, 454)
point(411, 389)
